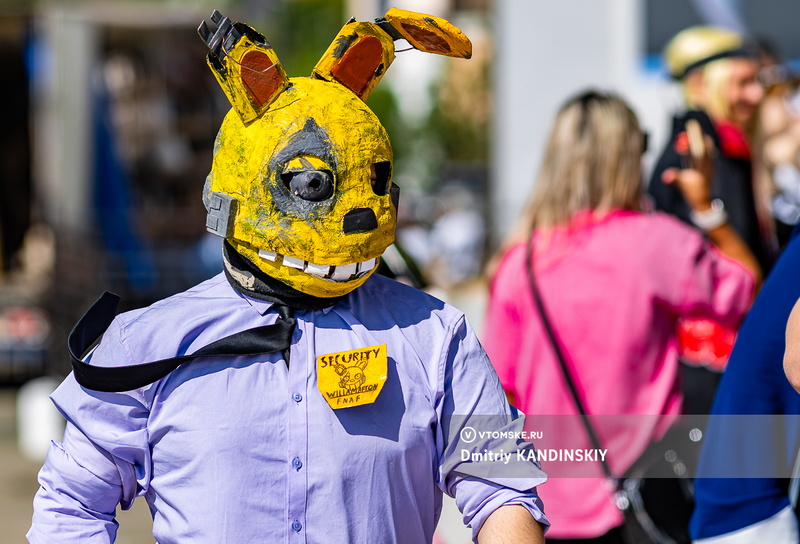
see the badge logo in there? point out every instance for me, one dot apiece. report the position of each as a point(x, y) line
point(352, 378)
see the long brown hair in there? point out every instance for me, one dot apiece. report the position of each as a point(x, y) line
point(592, 162)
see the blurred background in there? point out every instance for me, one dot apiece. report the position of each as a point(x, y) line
point(110, 115)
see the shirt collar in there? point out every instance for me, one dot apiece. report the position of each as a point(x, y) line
point(264, 306)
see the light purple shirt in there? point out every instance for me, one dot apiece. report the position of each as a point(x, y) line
point(247, 450)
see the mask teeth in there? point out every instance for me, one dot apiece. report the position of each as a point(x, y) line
point(366, 266)
point(321, 270)
point(268, 255)
point(339, 273)
point(344, 272)
point(293, 262)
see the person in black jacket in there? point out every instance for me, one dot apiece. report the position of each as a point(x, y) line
point(717, 70)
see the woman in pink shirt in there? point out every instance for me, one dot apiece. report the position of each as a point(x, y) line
point(613, 280)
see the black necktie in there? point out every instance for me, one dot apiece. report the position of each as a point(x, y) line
point(90, 327)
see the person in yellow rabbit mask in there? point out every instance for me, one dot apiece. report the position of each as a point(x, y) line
point(297, 396)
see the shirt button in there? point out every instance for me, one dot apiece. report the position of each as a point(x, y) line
point(297, 526)
point(297, 463)
point(297, 397)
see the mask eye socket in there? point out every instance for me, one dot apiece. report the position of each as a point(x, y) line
point(311, 185)
point(379, 175)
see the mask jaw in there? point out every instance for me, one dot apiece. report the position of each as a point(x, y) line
point(307, 277)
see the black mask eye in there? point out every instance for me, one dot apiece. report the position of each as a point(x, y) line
point(380, 172)
point(312, 185)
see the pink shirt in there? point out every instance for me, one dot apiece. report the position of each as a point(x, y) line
point(613, 289)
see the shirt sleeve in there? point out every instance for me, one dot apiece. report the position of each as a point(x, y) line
point(103, 461)
point(709, 285)
point(753, 383)
point(484, 462)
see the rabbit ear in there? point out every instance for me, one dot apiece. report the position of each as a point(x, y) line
point(244, 64)
point(427, 33)
point(362, 52)
point(357, 58)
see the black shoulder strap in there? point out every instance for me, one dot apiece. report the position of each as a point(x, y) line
point(562, 362)
point(90, 327)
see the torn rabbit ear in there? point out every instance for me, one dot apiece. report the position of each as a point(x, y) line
point(426, 33)
point(244, 64)
point(362, 52)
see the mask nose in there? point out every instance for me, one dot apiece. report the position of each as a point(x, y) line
point(360, 220)
point(312, 185)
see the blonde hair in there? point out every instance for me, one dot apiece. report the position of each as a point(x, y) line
point(716, 79)
point(592, 162)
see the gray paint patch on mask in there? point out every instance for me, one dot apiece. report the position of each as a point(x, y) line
point(310, 140)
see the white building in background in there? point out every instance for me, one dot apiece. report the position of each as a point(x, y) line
point(546, 52)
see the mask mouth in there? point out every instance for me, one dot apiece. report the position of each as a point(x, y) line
point(337, 273)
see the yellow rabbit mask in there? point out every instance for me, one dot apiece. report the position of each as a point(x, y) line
point(301, 180)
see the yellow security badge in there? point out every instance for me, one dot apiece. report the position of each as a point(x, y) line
point(352, 378)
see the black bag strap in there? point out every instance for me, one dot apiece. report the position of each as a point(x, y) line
point(627, 496)
point(90, 327)
point(562, 362)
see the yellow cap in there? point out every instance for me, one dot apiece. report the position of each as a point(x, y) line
point(699, 45)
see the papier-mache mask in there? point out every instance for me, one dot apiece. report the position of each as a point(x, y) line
point(301, 180)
